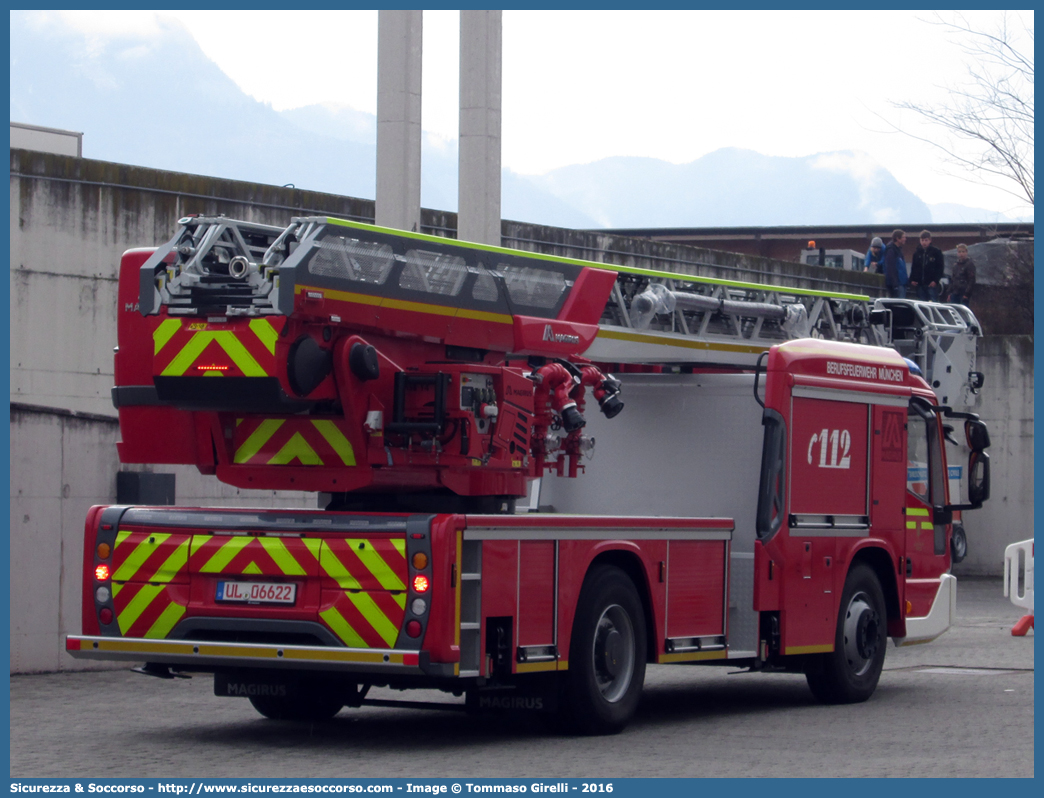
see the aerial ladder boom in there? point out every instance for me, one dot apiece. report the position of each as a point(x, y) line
point(353, 358)
point(223, 264)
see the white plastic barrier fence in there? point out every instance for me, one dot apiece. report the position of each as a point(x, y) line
point(1016, 566)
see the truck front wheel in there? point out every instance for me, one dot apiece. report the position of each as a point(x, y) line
point(849, 674)
point(958, 543)
point(606, 654)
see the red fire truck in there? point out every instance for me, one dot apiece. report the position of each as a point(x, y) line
point(774, 496)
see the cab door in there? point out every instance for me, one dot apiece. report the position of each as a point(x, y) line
point(925, 545)
point(828, 505)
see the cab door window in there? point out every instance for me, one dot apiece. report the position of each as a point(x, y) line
point(925, 480)
point(924, 475)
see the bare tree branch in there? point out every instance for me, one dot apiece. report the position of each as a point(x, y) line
point(992, 109)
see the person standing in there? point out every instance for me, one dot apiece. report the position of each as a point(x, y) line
point(875, 257)
point(962, 281)
point(895, 266)
point(927, 268)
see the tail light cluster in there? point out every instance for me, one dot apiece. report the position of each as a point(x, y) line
point(97, 605)
point(419, 551)
point(103, 590)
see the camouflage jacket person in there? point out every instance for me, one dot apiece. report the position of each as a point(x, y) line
point(963, 279)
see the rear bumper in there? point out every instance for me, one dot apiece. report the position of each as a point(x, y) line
point(941, 616)
point(208, 655)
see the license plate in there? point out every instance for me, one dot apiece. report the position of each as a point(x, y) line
point(257, 592)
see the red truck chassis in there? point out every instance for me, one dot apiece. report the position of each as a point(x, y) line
point(787, 517)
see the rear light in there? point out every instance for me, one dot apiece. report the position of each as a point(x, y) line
point(420, 560)
point(105, 616)
point(101, 595)
point(420, 582)
point(413, 628)
point(419, 606)
point(104, 551)
point(101, 573)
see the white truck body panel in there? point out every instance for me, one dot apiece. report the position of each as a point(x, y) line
point(684, 445)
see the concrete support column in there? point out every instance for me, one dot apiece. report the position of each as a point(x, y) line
point(399, 119)
point(478, 201)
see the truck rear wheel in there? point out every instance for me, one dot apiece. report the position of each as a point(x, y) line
point(849, 674)
point(308, 702)
point(606, 654)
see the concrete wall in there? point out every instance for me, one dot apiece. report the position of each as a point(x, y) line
point(1006, 405)
point(50, 495)
point(61, 464)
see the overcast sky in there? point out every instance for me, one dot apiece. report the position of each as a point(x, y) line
point(675, 85)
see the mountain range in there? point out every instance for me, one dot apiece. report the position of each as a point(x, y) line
point(160, 102)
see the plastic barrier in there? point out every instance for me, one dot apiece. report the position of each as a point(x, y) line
point(1011, 582)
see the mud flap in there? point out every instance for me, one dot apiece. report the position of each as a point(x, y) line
point(532, 695)
point(256, 684)
point(245, 685)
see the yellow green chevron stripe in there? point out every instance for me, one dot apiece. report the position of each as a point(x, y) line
point(137, 605)
point(145, 548)
point(337, 441)
point(168, 618)
point(223, 556)
point(297, 447)
point(379, 568)
point(277, 550)
point(265, 332)
point(258, 438)
point(342, 628)
point(163, 333)
point(373, 615)
point(227, 340)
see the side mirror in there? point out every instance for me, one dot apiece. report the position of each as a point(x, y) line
point(977, 434)
point(978, 483)
point(978, 477)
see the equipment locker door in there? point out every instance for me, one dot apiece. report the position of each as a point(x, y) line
point(828, 500)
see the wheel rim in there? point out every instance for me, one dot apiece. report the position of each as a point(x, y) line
point(959, 544)
point(862, 633)
point(613, 653)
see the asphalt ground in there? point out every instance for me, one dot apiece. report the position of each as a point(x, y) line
point(959, 707)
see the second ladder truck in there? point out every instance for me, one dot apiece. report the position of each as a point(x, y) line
point(539, 475)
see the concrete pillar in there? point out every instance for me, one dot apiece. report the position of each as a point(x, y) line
point(478, 199)
point(399, 119)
